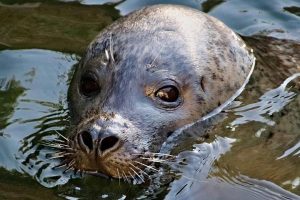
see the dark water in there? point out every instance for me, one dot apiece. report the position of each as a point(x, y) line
point(251, 152)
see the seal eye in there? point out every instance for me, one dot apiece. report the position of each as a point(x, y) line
point(168, 93)
point(89, 86)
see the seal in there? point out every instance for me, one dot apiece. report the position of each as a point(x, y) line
point(142, 78)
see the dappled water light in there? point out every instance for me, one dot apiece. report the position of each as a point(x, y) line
point(248, 151)
point(42, 100)
point(200, 180)
point(272, 101)
point(196, 171)
point(202, 173)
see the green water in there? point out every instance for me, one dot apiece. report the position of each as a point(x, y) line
point(251, 154)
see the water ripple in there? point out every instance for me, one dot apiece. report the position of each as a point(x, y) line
point(269, 103)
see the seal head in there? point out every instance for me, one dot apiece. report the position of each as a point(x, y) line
point(145, 76)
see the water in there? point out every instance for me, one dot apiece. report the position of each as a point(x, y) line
point(251, 152)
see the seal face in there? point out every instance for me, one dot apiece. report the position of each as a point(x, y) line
point(145, 76)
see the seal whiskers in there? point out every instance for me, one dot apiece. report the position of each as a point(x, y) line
point(124, 176)
point(137, 174)
point(119, 177)
point(60, 135)
point(139, 169)
point(147, 166)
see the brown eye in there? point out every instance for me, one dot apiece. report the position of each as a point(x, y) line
point(89, 86)
point(168, 93)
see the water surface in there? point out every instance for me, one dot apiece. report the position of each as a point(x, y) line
point(251, 152)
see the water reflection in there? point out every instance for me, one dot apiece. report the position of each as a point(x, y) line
point(202, 172)
point(295, 151)
point(203, 179)
point(279, 19)
point(293, 9)
point(272, 101)
point(257, 157)
point(254, 17)
point(33, 154)
point(33, 95)
point(63, 26)
point(10, 91)
point(207, 174)
point(208, 5)
point(41, 110)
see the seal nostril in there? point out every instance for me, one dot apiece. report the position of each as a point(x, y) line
point(87, 139)
point(108, 143)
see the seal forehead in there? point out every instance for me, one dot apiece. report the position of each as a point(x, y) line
point(147, 23)
point(176, 37)
point(193, 28)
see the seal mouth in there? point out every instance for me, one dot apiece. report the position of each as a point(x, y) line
point(119, 164)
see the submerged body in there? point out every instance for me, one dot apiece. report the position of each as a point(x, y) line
point(145, 76)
